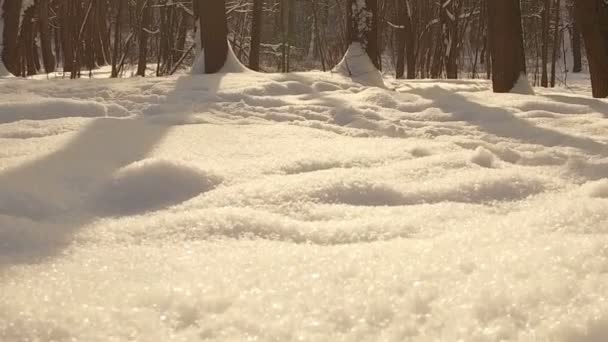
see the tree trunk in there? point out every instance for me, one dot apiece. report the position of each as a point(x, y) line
point(410, 43)
point(214, 34)
point(256, 35)
point(506, 44)
point(66, 35)
point(146, 18)
point(27, 43)
point(592, 17)
point(546, 20)
point(401, 14)
point(556, 41)
point(45, 39)
point(364, 28)
point(117, 38)
point(10, 35)
point(576, 43)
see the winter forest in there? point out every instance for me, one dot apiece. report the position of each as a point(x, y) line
point(408, 38)
point(304, 170)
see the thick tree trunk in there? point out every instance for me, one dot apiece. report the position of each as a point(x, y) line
point(592, 17)
point(214, 34)
point(10, 51)
point(256, 35)
point(506, 44)
point(364, 28)
point(45, 39)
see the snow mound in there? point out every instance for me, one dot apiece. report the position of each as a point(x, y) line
point(152, 184)
point(522, 86)
point(483, 157)
point(598, 189)
point(232, 64)
point(45, 109)
point(357, 65)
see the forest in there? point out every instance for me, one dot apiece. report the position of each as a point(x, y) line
point(411, 38)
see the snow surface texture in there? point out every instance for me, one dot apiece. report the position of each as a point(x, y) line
point(300, 207)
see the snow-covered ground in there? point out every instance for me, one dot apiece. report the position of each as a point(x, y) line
point(301, 207)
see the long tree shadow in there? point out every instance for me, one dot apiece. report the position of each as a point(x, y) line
point(502, 123)
point(43, 203)
point(598, 105)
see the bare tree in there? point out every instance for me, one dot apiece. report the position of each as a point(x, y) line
point(256, 35)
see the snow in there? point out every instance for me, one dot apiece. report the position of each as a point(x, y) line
point(522, 86)
point(303, 206)
point(232, 64)
point(357, 65)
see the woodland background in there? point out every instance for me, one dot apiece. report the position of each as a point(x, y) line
point(417, 38)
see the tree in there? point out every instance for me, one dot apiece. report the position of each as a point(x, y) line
point(546, 15)
point(11, 11)
point(256, 35)
point(405, 41)
point(506, 44)
point(363, 26)
point(45, 41)
point(592, 19)
point(575, 33)
point(146, 18)
point(214, 34)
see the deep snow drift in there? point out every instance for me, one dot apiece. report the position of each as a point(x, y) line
point(300, 207)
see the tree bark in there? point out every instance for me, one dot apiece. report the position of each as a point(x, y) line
point(146, 18)
point(592, 17)
point(45, 40)
point(214, 34)
point(256, 35)
point(506, 44)
point(556, 40)
point(10, 35)
point(576, 42)
point(546, 20)
point(67, 27)
point(401, 14)
point(117, 38)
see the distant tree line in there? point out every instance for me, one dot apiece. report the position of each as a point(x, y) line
point(411, 38)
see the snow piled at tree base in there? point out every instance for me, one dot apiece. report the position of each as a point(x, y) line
point(232, 64)
point(301, 207)
point(357, 65)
